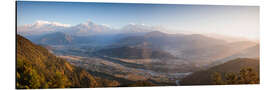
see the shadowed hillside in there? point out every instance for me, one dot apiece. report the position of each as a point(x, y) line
point(55, 39)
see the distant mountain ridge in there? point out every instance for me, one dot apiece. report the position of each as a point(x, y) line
point(136, 53)
point(197, 49)
point(61, 38)
point(55, 39)
point(83, 29)
point(251, 52)
point(194, 48)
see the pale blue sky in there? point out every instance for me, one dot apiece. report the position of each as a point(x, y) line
point(228, 20)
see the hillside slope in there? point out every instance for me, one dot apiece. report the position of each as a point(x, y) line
point(38, 68)
point(57, 38)
point(205, 77)
point(251, 52)
point(136, 53)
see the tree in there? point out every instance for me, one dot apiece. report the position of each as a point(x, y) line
point(245, 76)
point(217, 79)
point(61, 80)
point(248, 76)
point(142, 83)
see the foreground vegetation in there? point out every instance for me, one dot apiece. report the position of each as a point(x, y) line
point(245, 76)
point(38, 68)
point(238, 71)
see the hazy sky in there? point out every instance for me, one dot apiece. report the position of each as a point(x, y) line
point(227, 20)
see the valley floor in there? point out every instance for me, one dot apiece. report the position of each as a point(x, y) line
point(127, 69)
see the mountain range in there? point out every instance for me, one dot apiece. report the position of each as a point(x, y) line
point(195, 48)
point(136, 53)
point(83, 29)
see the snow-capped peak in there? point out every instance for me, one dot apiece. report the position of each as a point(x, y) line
point(132, 27)
point(41, 27)
point(42, 22)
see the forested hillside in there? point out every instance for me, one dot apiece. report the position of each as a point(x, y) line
point(238, 71)
point(38, 68)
